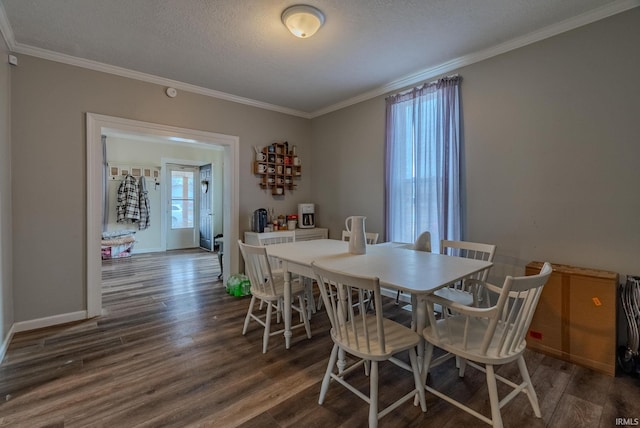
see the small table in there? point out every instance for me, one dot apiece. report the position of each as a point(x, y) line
point(398, 267)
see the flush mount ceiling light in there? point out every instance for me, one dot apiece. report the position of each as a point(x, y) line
point(302, 20)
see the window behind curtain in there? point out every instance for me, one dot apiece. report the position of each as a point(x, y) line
point(423, 162)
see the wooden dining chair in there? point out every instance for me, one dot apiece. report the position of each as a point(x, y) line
point(372, 237)
point(280, 237)
point(369, 337)
point(270, 238)
point(422, 243)
point(270, 289)
point(488, 337)
point(463, 292)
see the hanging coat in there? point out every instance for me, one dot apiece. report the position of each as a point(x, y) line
point(128, 208)
point(145, 207)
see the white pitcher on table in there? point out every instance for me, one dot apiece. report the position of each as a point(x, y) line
point(358, 238)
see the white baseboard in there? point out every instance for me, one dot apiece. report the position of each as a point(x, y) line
point(49, 321)
point(5, 343)
point(146, 250)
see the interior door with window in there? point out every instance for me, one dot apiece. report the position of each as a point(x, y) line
point(182, 224)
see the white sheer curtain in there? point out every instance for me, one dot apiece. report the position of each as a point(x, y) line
point(423, 162)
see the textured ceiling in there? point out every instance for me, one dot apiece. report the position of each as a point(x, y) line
point(241, 48)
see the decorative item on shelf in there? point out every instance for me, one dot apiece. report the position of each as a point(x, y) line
point(277, 166)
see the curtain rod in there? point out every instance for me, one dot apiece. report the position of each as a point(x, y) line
point(429, 83)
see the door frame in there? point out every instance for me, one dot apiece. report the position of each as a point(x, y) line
point(95, 124)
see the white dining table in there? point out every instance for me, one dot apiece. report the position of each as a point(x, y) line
point(397, 266)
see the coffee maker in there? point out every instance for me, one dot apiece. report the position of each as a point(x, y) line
point(306, 216)
point(259, 220)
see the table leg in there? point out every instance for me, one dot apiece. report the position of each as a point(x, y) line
point(419, 312)
point(287, 306)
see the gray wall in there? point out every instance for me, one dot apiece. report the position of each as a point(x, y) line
point(348, 163)
point(551, 152)
point(48, 161)
point(551, 145)
point(6, 286)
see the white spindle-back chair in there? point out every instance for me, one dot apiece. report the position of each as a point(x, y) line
point(490, 336)
point(368, 336)
point(270, 289)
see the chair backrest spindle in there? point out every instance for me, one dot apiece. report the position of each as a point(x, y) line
point(271, 238)
point(518, 298)
point(258, 269)
point(345, 298)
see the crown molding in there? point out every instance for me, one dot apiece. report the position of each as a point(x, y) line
point(403, 82)
point(149, 78)
point(446, 67)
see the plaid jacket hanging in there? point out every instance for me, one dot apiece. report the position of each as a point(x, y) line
point(128, 200)
point(145, 221)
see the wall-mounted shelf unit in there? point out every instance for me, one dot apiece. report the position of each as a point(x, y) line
point(118, 171)
point(278, 167)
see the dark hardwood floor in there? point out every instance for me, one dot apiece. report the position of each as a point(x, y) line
point(168, 351)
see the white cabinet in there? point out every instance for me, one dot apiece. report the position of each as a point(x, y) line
point(251, 238)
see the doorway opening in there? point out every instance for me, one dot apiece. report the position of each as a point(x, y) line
point(97, 125)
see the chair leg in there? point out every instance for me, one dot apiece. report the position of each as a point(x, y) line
point(319, 304)
point(248, 317)
point(327, 375)
point(267, 328)
point(398, 297)
point(417, 378)
point(531, 393)
point(370, 305)
point(428, 354)
point(461, 363)
point(496, 418)
point(373, 395)
point(279, 309)
point(311, 302)
point(305, 318)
